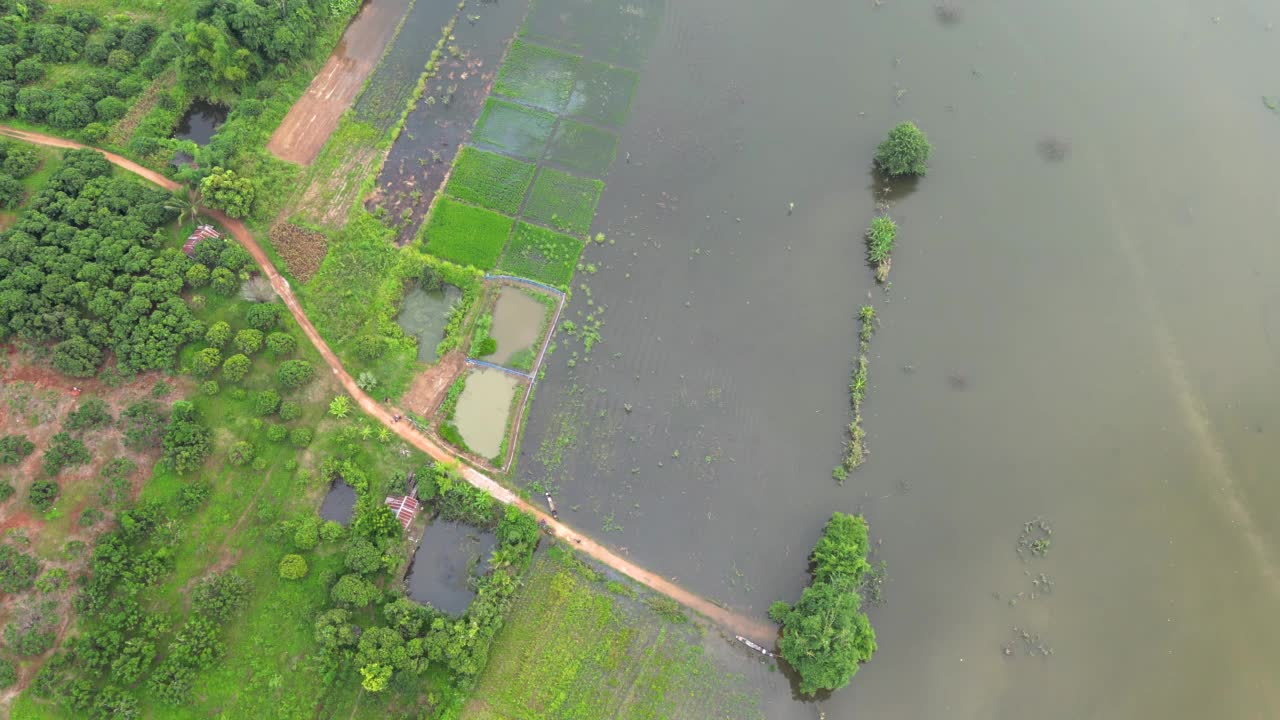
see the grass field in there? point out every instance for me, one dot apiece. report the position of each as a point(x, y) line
point(563, 201)
point(489, 180)
point(466, 234)
point(537, 75)
point(602, 93)
point(541, 254)
point(577, 648)
point(583, 148)
point(519, 130)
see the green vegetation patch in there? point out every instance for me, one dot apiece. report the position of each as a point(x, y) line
point(541, 254)
point(489, 180)
point(572, 648)
point(466, 234)
point(537, 75)
point(563, 201)
point(602, 93)
point(519, 130)
point(583, 148)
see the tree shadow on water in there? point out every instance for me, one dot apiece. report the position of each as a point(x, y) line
point(888, 189)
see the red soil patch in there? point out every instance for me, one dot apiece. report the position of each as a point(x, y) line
point(429, 387)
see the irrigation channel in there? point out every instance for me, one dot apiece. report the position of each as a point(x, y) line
point(1083, 326)
point(729, 620)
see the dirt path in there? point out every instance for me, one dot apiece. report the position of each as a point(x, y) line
point(758, 630)
point(313, 118)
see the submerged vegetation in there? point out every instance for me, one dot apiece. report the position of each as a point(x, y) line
point(880, 239)
point(826, 636)
point(855, 448)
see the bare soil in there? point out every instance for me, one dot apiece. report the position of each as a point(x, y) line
point(311, 120)
point(428, 389)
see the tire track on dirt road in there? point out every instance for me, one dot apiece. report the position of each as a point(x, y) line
point(736, 623)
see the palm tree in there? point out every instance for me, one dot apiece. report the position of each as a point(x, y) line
point(185, 202)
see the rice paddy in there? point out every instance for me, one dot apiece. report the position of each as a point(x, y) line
point(490, 180)
point(537, 75)
point(602, 93)
point(582, 148)
point(466, 234)
point(541, 254)
point(513, 128)
point(563, 201)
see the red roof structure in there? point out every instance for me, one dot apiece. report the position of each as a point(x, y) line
point(405, 507)
point(203, 232)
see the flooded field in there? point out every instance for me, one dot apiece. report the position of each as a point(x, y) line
point(420, 158)
point(518, 319)
point(424, 315)
point(449, 554)
point(1058, 343)
point(339, 503)
point(483, 410)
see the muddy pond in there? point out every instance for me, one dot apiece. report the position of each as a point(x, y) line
point(483, 409)
point(424, 315)
point(1057, 343)
point(518, 320)
point(339, 503)
point(198, 124)
point(448, 556)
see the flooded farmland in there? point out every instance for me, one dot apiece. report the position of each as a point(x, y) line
point(1081, 331)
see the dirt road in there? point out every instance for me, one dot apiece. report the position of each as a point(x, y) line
point(758, 630)
point(311, 120)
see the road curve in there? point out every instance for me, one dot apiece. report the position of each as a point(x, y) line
point(736, 623)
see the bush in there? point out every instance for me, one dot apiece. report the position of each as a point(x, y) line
point(224, 190)
point(224, 282)
point(306, 534)
point(17, 570)
point(6, 491)
point(218, 333)
point(293, 567)
point(880, 238)
point(370, 347)
point(241, 453)
point(235, 367)
point(64, 451)
point(294, 374)
point(355, 591)
point(209, 388)
point(290, 410)
point(277, 433)
point(266, 402)
point(279, 343)
point(42, 494)
point(249, 341)
point(142, 423)
point(8, 673)
point(904, 152)
point(13, 448)
point(263, 315)
point(91, 414)
point(206, 362)
point(300, 437)
point(331, 531)
point(486, 346)
point(32, 628)
point(220, 595)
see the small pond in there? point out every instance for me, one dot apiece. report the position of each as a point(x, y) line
point(517, 323)
point(200, 122)
point(448, 555)
point(424, 315)
point(481, 414)
point(340, 503)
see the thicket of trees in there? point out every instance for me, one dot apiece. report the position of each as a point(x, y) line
point(83, 268)
point(825, 636)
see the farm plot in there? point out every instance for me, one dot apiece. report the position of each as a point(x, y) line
point(516, 129)
point(563, 201)
point(537, 75)
point(583, 148)
point(602, 93)
point(489, 180)
point(466, 234)
point(541, 254)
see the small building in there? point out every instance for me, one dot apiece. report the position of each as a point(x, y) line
point(405, 507)
point(202, 232)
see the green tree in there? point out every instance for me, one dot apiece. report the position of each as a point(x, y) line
point(334, 629)
point(293, 567)
point(355, 591)
point(235, 367)
point(224, 282)
point(219, 333)
point(17, 570)
point(209, 63)
point(249, 341)
point(266, 402)
point(206, 362)
point(197, 276)
point(293, 374)
point(10, 191)
point(64, 451)
point(904, 152)
point(300, 437)
point(8, 673)
point(13, 448)
point(76, 357)
point(363, 557)
point(42, 494)
point(187, 442)
point(225, 190)
point(279, 343)
point(263, 315)
point(241, 453)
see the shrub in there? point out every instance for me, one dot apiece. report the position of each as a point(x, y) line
point(279, 343)
point(197, 277)
point(17, 570)
point(91, 414)
point(290, 410)
point(32, 629)
point(293, 567)
point(224, 282)
point(218, 333)
point(220, 594)
point(263, 315)
point(276, 433)
point(209, 388)
point(206, 362)
point(370, 347)
point(42, 494)
point(266, 402)
point(235, 367)
point(8, 673)
point(187, 441)
point(355, 591)
point(294, 374)
point(366, 380)
point(904, 152)
point(331, 531)
point(249, 341)
point(143, 424)
point(880, 237)
point(6, 491)
point(13, 448)
point(225, 190)
point(64, 451)
point(486, 346)
point(241, 453)
point(306, 534)
point(300, 437)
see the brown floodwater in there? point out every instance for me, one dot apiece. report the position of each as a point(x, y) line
point(517, 323)
point(1083, 326)
point(483, 407)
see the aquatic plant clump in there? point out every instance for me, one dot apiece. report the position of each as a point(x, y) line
point(904, 152)
point(541, 254)
point(855, 449)
point(537, 75)
point(489, 180)
point(826, 636)
point(583, 148)
point(466, 234)
point(563, 201)
point(880, 239)
point(513, 128)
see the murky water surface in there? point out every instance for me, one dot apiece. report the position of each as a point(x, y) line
point(339, 503)
point(483, 408)
point(517, 323)
point(1081, 327)
point(424, 315)
point(448, 555)
point(200, 122)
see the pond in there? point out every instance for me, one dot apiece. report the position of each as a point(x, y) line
point(339, 503)
point(424, 315)
point(1058, 341)
point(200, 122)
point(449, 554)
point(517, 324)
point(484, 408)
